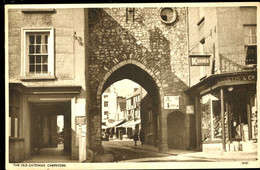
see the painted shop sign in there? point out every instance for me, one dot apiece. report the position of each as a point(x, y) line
point(80, 120)
point(200, 60)
point(250, 77)
point(190, 109)
point(171, 102)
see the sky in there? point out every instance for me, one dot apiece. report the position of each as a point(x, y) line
point(125, 87)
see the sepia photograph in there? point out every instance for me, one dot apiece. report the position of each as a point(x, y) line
point(103, 86)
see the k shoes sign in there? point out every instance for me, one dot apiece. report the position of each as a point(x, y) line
point(200, 60)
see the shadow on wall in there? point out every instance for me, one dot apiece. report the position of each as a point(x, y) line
point(110, 44)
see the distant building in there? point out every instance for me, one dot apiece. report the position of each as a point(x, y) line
point(133, 103)
point(121, 108)
point(109, 105)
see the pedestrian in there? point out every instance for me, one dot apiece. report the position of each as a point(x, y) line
point(135, 137)
point(141, 136)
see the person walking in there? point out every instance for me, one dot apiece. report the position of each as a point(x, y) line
point(135, 137)
point(142, 136)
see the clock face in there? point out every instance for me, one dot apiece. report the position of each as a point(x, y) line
point(167, 15)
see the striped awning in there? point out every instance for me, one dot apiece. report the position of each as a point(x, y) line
point(111, 125)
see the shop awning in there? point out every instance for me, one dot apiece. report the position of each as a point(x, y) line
point(130, 124)
point(125, 124)
point(221, 80)
point(115, 123)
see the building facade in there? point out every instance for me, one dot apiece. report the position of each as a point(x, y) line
point(109, 105)
point(222, 48)
point(47, 66)
point(133, 104)
point(62, 60)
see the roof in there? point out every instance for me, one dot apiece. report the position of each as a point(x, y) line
point(135, 93)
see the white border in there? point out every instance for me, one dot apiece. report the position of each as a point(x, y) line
point(150, 165)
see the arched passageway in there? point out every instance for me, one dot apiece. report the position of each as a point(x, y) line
point(139, 75)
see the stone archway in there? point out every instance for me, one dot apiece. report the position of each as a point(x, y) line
point(160, 54)
point(138, 73)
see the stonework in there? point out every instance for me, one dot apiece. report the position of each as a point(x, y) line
point(160, 48)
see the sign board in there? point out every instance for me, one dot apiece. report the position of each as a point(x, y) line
point(189, 109)
point(200, 60)
point(171, 102)
point(80, 120)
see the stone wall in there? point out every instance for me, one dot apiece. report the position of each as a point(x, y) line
point(68, 62)
point(161, 48)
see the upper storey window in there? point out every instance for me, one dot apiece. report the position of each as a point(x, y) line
point(38, 53)
point(250, 40)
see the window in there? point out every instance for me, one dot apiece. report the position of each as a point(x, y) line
point(105, 103)
point(211, 117)
point(105, 96)
point(106, 113)
point(37, 55)
point(167, 15)
point(250, 40)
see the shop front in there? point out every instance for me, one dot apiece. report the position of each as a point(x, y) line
point(226, 112)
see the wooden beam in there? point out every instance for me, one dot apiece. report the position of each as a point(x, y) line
point(223, 119)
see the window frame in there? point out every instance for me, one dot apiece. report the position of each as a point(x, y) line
point(249, 44)
point(25, 32)
point(105, 103)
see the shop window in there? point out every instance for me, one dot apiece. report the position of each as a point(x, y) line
point(38, 52)
point(211, 118)
point(105, 103)
point(250, 40)
point(14, 114)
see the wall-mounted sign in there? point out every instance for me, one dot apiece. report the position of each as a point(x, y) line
point(200, 60)
point(189, 109)
point(171, 102)
point(249, 77)
point(80, 120)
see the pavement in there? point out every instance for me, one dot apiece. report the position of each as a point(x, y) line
point(51, 155)
point(209, 155)
point(57, 155)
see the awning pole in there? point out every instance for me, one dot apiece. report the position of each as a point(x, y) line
point(223, 120)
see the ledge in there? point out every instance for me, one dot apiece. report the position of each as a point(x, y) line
point(45, 10)
point(28, 78)
point(212, 142)
point(16, 139)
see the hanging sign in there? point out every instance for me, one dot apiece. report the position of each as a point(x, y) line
point(171, 102)
point(189, 109)
point(200, 60)
point(80, 120)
